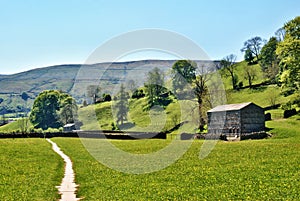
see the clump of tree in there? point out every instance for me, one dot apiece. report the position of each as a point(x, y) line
point(269, 60)
point(106, 97)
point(183, 75)
point(155, 88)
point(249, 56)
point(52, 109)
point(138, 93)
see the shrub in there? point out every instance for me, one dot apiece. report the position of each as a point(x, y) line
point(288, 92)
point(106, 97)
point(38, 130)
point(289, 113)
point(53, 130)
point(240, 85)
point(84, 103)
point(114, 126)
point(139, 93)
point(268, 117)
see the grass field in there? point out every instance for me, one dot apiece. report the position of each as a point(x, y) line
point(29, 170)
point(247, 170)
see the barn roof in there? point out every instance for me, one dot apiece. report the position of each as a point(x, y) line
point(230, 107)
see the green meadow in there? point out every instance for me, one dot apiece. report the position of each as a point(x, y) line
point(29, 170)
point(247, 170)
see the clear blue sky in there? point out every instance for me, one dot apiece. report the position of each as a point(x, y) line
point(37, 33)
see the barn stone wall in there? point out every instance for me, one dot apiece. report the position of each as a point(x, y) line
point(252, 119)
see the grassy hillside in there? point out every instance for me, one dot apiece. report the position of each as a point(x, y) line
point(262, 96)
point(240, 71)
point(139, 119)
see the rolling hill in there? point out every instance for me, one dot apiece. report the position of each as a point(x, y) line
point(75, 78)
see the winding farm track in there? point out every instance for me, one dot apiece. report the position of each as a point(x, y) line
point(67, 188)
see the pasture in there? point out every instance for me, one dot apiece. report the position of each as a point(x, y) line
point(252, 170)
point(29, 170)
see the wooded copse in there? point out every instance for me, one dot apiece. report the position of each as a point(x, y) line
point(53, 109)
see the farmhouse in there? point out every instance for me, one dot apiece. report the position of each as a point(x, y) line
point(234, 120)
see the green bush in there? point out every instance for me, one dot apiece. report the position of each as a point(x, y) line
point(52, 130)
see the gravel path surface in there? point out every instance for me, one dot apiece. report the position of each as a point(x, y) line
point(67, 188)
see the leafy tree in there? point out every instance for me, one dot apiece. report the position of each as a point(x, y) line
point(249, 56)
point(44, 111)
point(269, 61)
point(228, 63)
point(121, 106)
point(254, 45)
point(24, 96)
point(288, 52)
point(138, 93)
point(68, 110)
point(184, 73)
point(106, 97)
point(94, 92)
point(47, 108)
point(250, 74)
point(155, 86)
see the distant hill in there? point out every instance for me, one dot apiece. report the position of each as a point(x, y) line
point(74, 79)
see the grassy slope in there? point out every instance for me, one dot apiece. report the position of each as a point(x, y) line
point(29, 170)
point(239, 70)
point(251, 170)
point(13, 126)
point(141, 119)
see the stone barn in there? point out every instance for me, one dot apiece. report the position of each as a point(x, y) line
point(234, 120)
